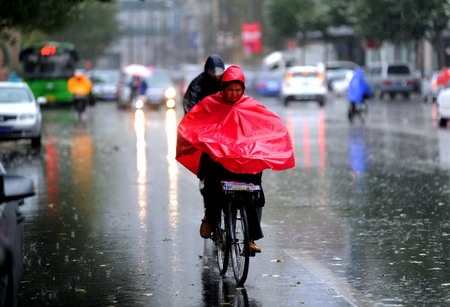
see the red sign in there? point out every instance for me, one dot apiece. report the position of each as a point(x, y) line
point(48, 50)
point(251, 37)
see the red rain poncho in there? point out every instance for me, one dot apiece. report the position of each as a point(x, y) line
point(244, 137)
point(443, 78)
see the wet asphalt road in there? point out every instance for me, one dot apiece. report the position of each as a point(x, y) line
point(363, 219)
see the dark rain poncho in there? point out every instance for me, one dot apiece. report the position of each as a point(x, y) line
point(203, 85)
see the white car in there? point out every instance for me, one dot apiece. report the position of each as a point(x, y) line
point(20, 113)
point(304, 83)
point(340, 86)
point(443, 107)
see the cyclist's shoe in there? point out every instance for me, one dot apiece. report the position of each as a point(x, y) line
point(253, 247)
point(205, 228)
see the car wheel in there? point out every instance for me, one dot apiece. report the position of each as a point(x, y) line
point(286, 101)
point(406, 95)
point(392, 96)
point(36, 142)
point(443, 122)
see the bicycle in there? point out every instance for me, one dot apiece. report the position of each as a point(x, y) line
point(79, 103)
point(360, 110)
point(231, 233)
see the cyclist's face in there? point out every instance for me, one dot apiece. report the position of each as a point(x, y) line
point(233, 92)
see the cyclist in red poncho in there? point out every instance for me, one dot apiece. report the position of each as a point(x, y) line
point(231, 137)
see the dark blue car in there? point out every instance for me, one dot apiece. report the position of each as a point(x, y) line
point(267, 83)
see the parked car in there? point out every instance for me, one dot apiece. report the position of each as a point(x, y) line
point(430, 88)
point(392, 78)
point(304, 83)
point(267, 83)
point(104, 83)
point(13, 190)
point(161, 89)
point(337, 70)
point(443, 107)
point(20, 113)
point(340, 86)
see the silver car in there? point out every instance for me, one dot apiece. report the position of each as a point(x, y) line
point(20, 113)
point(391, 78)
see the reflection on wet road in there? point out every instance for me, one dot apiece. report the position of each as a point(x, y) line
point(362, 220)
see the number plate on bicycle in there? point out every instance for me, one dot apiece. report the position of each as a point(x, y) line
point(240, 186)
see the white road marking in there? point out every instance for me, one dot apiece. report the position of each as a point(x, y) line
point(348, 292)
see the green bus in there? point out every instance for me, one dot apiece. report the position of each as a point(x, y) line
point(47, 66)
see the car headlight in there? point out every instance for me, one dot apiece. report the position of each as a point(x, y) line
point(170, 93)
point(27, 116)
point(139, 104)
point(170, 103)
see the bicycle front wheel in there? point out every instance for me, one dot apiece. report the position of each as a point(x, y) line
point(240, 251)
point(222, 245)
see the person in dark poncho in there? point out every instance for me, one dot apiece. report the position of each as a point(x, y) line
point(206, 83)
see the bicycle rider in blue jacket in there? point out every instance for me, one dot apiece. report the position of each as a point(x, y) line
point(358, 90)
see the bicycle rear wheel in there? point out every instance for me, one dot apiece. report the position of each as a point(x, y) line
point(221, 243)
point(240, 251)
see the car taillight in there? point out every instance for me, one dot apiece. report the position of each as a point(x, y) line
point(410, 82)
point(434, 85)
point(387, 82)
point(289, 76)
point(320, 76)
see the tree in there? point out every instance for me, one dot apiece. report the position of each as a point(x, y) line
point(295, 19)
point(402, 21)
point(96, 28)
point(38, 15)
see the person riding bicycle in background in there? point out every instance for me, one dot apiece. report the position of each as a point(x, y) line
point(79, 84)
point(358, 90)
point(81, 87)
point(206, 83)
point(229, 136)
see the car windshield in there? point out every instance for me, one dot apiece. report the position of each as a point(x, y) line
point(398, 70)
point(338, 73)
point(14, 95)
point(159, 79)
point(105, 77)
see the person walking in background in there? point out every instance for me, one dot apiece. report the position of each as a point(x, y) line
point(206, 83)
point(138, 86)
